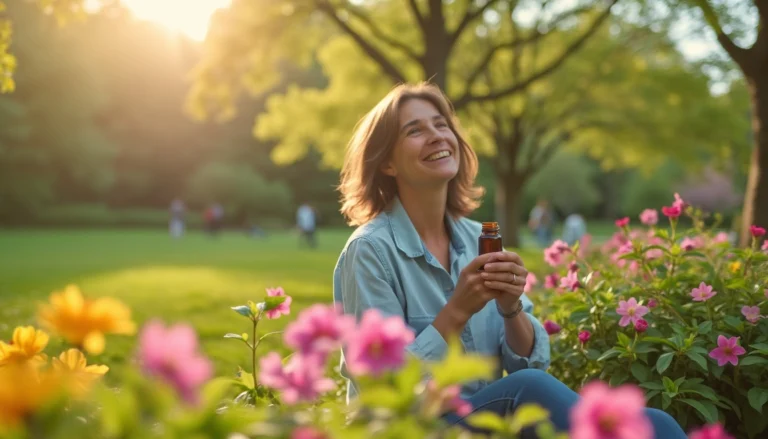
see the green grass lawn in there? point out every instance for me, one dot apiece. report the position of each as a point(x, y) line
point(195, 279)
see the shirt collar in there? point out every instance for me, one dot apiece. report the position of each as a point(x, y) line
point(407, 239)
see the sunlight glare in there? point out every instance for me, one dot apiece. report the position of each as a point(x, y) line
point(190, 17)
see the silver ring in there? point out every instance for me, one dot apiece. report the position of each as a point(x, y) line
point(514, 278)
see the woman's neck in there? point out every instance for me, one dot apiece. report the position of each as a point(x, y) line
point(426, 209)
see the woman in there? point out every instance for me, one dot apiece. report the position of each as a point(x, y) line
point(408, 181)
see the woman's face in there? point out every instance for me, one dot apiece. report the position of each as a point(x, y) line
point(427, 152)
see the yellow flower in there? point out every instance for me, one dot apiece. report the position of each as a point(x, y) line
point(76, 374)
point(84, 322)
point(23, 389)
point(734, 266)
point(27, 345)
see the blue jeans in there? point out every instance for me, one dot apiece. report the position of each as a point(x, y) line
point(536, 386)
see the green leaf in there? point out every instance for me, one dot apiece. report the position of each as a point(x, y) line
point(698, 359)
point(617, 379)
point(644, 348)
point(752, 360)
point(527, 415)
point(665, 401)
point(382, 396)
point(409, 376)
point(272, 302)
point(243, 310)
point(734, 322)
point(757, 397)
point(246, 379)
point(231, 335)
point(699, 389)
point(487, 421)
point(706, 409)
point(661, 341)
point(760, 347)
point(652, 385)
point(664, 361)
point(610, 353)
point(640, 371)
point(623, 339)
point(669, 385)
point(593, 354)
point(705, 327)
point(458, 367)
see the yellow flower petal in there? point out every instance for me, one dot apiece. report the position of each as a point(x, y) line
point(94, 343)
point(30, 340)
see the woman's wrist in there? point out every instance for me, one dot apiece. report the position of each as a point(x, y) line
point(450, 320)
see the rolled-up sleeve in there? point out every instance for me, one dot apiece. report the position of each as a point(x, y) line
point(540, 355)
point(364, 281)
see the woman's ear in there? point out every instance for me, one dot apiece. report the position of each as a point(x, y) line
point(388, 169)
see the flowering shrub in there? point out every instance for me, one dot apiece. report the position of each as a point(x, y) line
point(679, 313)
point(169, 392)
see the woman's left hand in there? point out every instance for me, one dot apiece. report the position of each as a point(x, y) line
point(506, 272)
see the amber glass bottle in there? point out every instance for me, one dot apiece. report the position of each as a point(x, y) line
point(490, 238)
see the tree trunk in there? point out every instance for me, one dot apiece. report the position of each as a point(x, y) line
point(756, 198)
point(509, 191)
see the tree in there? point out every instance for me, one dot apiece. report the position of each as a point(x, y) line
point(365, 47)
point(752, 60)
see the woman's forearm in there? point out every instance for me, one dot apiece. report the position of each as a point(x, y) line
point(518, 331)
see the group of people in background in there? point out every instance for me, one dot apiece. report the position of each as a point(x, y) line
point(213, 222)
point(541, 221)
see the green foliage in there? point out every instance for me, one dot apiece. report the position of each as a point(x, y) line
point(239, 188)
point(673, 359)
point(568, 181)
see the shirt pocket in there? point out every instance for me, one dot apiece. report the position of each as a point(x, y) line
point(418, 323)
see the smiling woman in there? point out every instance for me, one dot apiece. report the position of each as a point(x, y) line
point(188, 17)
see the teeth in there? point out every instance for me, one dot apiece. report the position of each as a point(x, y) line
point(437, 156)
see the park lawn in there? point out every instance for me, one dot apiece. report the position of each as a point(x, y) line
point(195, 279)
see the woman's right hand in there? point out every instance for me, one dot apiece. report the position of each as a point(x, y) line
point(469, 297)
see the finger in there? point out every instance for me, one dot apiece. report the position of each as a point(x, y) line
point(509, 257)
point(505, 276)
point(506, 267)
point(504, 286)
point(479, 261)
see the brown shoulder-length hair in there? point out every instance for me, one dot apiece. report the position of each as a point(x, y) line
point(366, 190)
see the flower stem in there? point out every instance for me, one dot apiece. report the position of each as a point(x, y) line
point(253, 348)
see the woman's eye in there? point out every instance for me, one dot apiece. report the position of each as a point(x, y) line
point(441, 125)
point(413, 131)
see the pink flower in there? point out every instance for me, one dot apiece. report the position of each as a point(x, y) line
point(450, 398)
point(551, 327)
point(652, 303)
point(712, 431)
point(584, 336)
point(721, 237)
point(671, 212)
point(631, 311)
point(282, 309)
point(649, 217)
point(530, 282)
point(727, 350)
point(702, 293)
point(172, 355)
point(622, 222)
point(689, 244)
point(300, 380)
point(765, 245)
point(307, 433)
point(584, 243)
point(319, 329)
point(570, 282)
point(751, 313)
point(641, 325)
point(605, 413)
point(551, 281)
point(553, 255)
point(756, 231)
point(679, 203)
point(378, 344)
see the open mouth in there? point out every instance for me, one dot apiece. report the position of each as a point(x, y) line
point(437, 156)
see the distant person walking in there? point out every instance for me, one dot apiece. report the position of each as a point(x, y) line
point(574, 228)
point(176, 223)
point(306, 221)
point(214, 218)
point(541, 221)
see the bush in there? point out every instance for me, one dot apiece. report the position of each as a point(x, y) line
point(678, 314)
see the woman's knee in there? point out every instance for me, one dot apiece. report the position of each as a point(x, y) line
point(532, 378)
point(664, 424)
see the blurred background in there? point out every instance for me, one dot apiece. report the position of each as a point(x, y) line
point(168, 146)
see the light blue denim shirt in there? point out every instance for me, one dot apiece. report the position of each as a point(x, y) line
point(385, 265)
